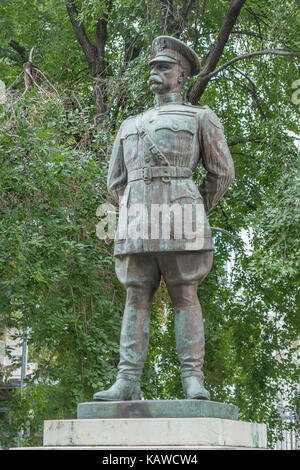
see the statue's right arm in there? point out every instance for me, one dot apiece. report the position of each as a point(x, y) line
point(117, 172)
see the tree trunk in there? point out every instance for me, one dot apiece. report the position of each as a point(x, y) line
point(216, 51)
point(28, 72)
point(94, 55)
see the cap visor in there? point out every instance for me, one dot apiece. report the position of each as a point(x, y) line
point(163, 58)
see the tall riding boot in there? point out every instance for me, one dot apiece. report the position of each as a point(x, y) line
point(133, 352)
point(189, 333)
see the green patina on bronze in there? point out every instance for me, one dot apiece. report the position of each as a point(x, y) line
point(184, 134)
point(154, 156)
point(157, 409)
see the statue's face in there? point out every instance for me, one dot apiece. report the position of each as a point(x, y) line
point(165, 78)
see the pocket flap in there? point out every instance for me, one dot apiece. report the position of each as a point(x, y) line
point(176, 125)
point(184, 189)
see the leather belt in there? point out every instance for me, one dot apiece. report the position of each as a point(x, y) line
point(164, 172)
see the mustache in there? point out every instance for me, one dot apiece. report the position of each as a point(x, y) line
point(155, 79)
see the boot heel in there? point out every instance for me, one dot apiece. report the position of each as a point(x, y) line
point(136, 392)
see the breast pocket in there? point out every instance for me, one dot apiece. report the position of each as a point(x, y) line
point(175, 138)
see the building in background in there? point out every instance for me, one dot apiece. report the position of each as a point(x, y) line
point(14, 367)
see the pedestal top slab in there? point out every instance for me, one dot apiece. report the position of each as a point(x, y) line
point(156, 409)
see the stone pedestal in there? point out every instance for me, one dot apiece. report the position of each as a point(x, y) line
point(155, 432)
point(157, 424)
point(154, 424)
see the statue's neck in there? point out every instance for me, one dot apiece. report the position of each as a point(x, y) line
point(167, 98)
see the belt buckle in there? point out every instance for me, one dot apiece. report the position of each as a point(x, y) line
point(166, 179)
point(147, 175)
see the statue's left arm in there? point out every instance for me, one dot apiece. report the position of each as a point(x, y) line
point(117, 172)
point(216, 159)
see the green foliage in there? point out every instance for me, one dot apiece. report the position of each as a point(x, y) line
point(28, 408)
point(57, 277)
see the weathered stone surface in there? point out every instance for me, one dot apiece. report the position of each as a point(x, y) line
point(157, 409)
point(182, 448)
point(155, 432)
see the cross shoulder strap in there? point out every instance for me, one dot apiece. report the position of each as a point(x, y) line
point(142, 131)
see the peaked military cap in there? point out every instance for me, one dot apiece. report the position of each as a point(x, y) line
point(169, 49)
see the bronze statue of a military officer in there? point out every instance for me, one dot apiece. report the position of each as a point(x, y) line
point(153, 159)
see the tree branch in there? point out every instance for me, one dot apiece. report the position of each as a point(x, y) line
point(247, 33)
point(88, 48)
point(202, 16)
point(132, 48)
point(28, 72)
point(18, 48)
point(101, 35)
point(216, 50)
point(252, 54)
point(198, 28)
point(251, 90)
point(175, 19)
point(186, 8)
point(223, 36)
point(94, 53)
point(247, 140)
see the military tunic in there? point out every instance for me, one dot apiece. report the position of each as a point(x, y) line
point(154, 156)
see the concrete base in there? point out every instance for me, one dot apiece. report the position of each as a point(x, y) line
point(137, 448)
point(155, 432)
